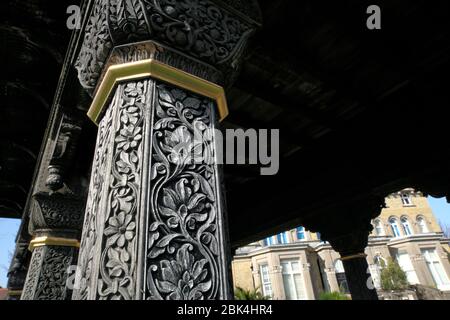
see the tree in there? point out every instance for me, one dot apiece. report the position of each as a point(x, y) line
point(393, 277)
point(333, 296)
point(243, 294)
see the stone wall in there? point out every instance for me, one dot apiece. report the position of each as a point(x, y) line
point(415, 292)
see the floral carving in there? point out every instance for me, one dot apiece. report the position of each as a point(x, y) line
point(48, 274)
point(94, 209)
point(183, 243)
point(97, 44)
point(118, 265)
point(33, 274)
point(200, 28)
point(183, 278)
point(120, 229)
point(52, 285)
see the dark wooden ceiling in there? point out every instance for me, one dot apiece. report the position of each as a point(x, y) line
point(33, 40)
point(359, 111)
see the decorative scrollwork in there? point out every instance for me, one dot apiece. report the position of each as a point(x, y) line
point(118, 263)
point(183, 245)
point(57, 211)
point(199, 27)
point(202, 29)
point(97, 44)
point(52, 285)
point(93, 216)
point(33, 274)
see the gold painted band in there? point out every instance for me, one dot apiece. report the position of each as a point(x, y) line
point(158, 70)
point(53, 241)
point(354, 256)
point(14, 293)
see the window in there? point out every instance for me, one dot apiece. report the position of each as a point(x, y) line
point(265, 280)
point(319, 237)
point(394, 227)
point(406, 226)
point(323, 275)
point(405, 263)
point(268, 241)
point(406, 199)
point(340, 276)
point(379, 230)
point(301, 233)
point(437, 271)
point(375, 270)
point(422, 225)
point(282, 238)
point(294, 286)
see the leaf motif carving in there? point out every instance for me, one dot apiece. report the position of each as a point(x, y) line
point(183, 264)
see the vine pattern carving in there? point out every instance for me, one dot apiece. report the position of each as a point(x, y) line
point(52, 285)
point(118, 259)
point(33, 274)
point(183, 242)
point(93, 220)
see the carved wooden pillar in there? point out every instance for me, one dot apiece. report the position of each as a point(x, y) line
point(347, 230)
point(18, 270)
point(155, 224)
point(55, 225)
point(351, 248)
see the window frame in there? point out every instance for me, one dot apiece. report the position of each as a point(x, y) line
point(406, 226)
point(394, 221)
point(291, 274)
point(284, 238)
point(266, 292)
point(406, 199)
point(300, 230)
point(379, 224)
point(423, 227)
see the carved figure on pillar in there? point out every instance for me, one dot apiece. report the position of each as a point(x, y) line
point(155, 225)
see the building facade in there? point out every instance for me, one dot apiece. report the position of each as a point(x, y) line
point(297, 265)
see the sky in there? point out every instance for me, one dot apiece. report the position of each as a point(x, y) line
point(9, 227)
point(8, 231)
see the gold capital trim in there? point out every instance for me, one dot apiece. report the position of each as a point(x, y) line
point(53, 241)
point(14, 293)
point(155, 69)
point(354, 256)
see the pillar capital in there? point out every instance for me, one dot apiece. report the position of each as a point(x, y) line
point(55, 224)
point(212, 31)
point(56, 215)
point(347, 230)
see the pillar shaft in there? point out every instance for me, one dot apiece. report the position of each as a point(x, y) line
point(48, 273)
point(358, 279)
point(155, 223)
point(18, 270)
